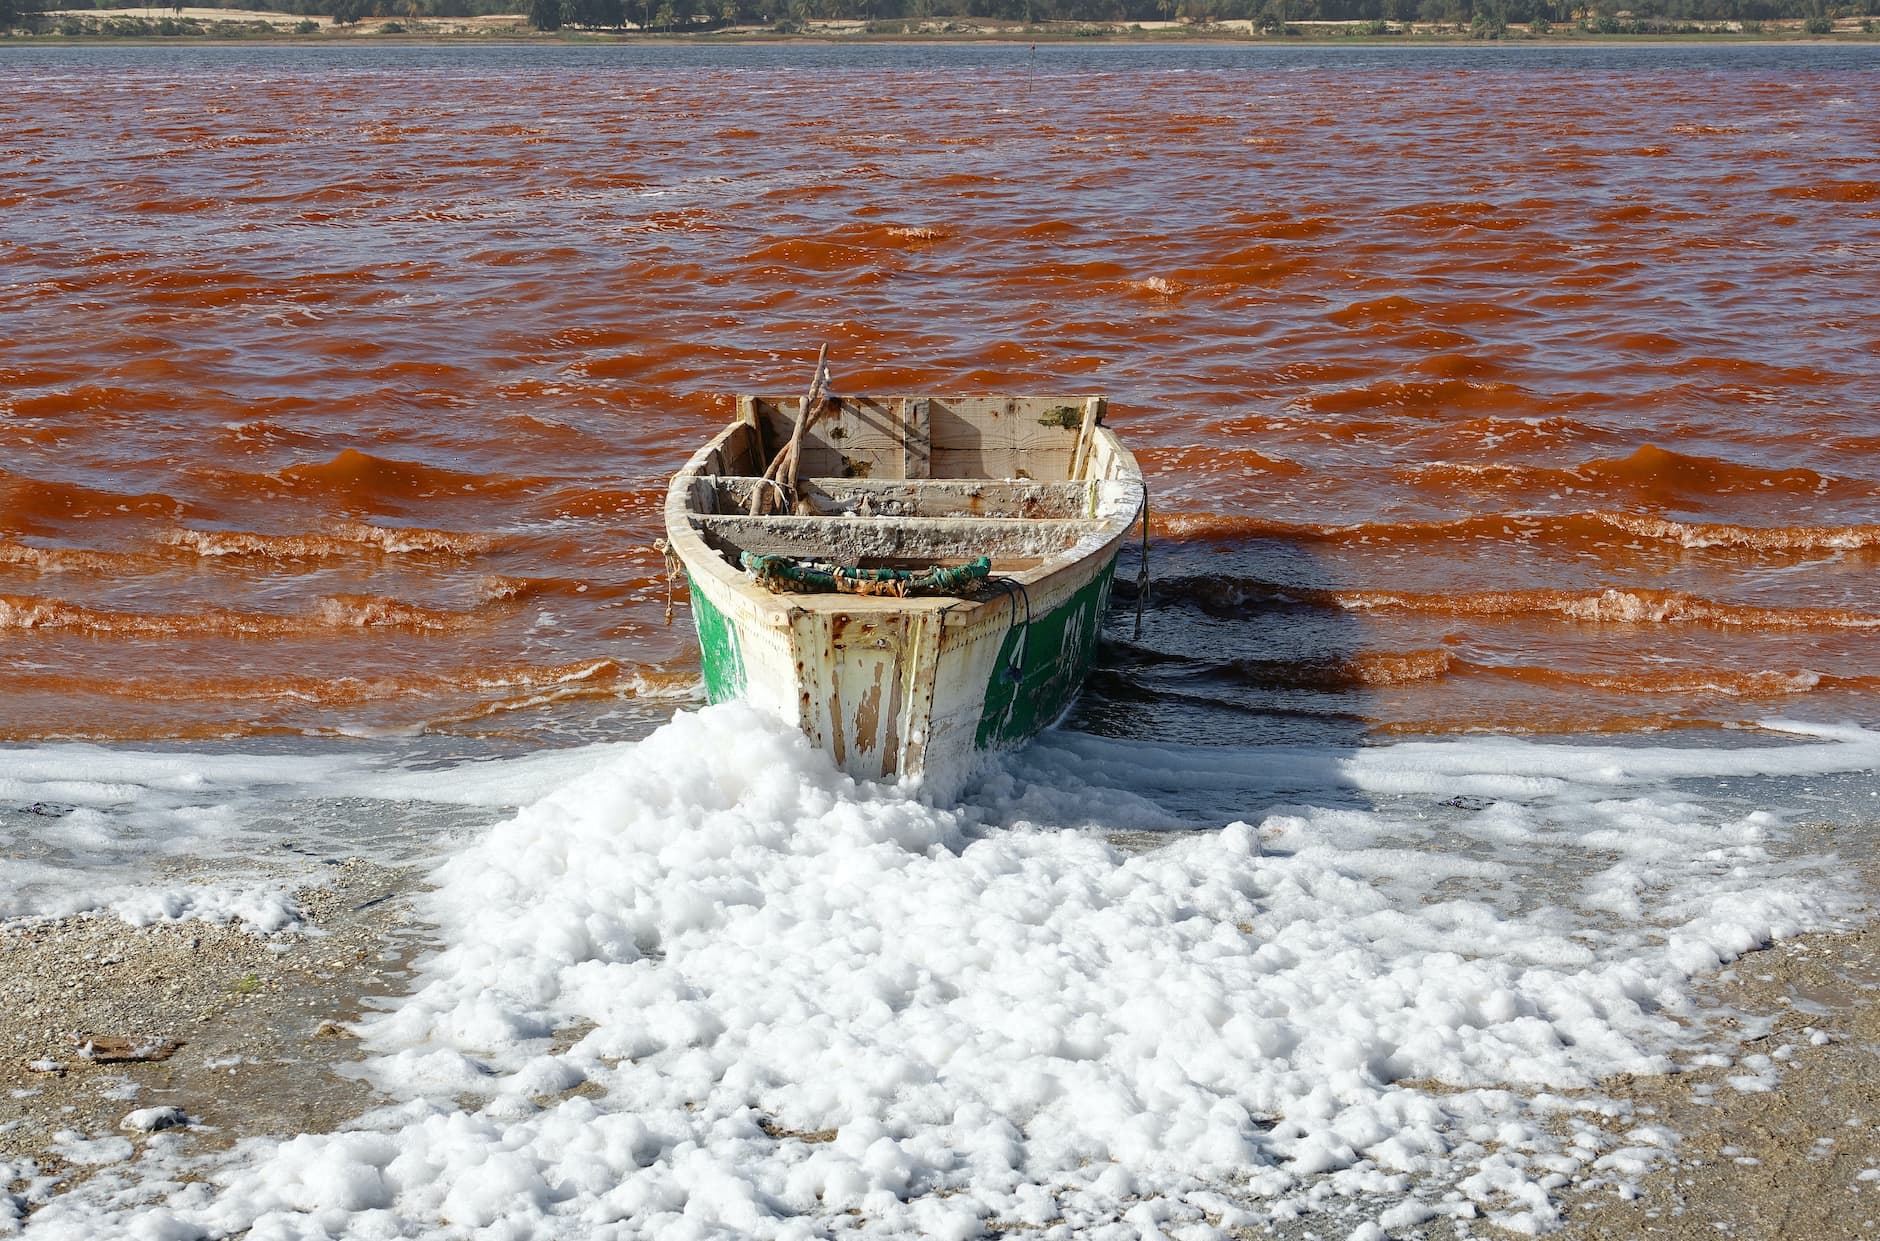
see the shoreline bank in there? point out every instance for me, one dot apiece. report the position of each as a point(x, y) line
point(1783, 1140)
point(1777, 1116)
point(131, 24)
point(189, 1036)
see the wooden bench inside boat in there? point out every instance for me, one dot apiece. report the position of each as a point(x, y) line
point(926, 437)
point(776, 522)
point(935, 497)
point(895, 540)
point(910, 482)
point(906, 525)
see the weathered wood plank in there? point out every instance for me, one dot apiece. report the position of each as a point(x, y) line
point(737, 454)
point(967, 436)
point(951, 497)
point(927, 538)
point(1003, 463)
point(1032, 406)
point(916, 437)
point(859, 437)
point(1086, 436)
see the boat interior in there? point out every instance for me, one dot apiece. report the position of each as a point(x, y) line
point(914, 482)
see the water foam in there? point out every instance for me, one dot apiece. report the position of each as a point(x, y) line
point(796, 1007)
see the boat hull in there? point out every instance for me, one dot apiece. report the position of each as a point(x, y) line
point(921, 687)
point(917, 694)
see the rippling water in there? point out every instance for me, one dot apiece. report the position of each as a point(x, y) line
point(1477, 388)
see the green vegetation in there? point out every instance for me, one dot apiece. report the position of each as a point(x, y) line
point(1489, 20)
point(1482, 19)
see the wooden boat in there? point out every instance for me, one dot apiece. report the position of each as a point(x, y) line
point(920, 658)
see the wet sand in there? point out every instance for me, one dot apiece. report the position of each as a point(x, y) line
point(1786, 1162)
point(1797, 1153)
point(261, 1022)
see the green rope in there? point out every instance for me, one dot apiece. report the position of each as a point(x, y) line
point(787, 573)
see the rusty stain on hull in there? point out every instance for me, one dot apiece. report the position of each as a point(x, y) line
point(868, 716)
point(898, 687)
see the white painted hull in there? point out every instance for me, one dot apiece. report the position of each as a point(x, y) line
point(909, 689)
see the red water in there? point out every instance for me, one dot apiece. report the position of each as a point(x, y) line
point(1511, 397)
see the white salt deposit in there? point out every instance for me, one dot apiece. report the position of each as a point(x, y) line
point(151, 1119)
point(75, 1147)
point(87, 828)
point(792, 1007)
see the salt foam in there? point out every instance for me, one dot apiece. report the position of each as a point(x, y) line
point(713, 988)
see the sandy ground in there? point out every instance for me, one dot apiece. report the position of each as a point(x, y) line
point(262, 1025)
point(1785, 1163)
point(260, 1022)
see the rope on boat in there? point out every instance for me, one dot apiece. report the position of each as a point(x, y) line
point(1142, 569)
point(1014, 672)
point(675, 570)
point(788, 573)
point(783, 497)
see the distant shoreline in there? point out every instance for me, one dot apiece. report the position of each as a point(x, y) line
point(167, 25)
point(509, 40)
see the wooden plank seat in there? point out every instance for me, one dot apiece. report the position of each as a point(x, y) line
point(953, 497)
point(918, 437)
point(928, 540)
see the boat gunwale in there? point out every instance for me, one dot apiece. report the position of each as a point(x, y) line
point(687, 541)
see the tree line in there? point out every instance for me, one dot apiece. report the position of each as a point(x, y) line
point(672, 14)
point(1271, 15)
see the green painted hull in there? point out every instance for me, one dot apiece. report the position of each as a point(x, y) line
point(1042, 659)
point(720, 659)
point(918, 688)
point(1041, 666)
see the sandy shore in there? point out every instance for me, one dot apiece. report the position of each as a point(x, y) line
point(951, 30)
point(1779, 1120)
point(257, 1022)
point(1796, 1158)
